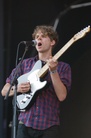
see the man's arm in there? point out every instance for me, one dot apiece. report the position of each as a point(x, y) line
point(22, 88)
point(59, 87)
point(6, 88)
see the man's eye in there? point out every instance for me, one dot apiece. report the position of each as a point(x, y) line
point(37, 36)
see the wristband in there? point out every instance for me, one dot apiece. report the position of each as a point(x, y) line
point(53, 71)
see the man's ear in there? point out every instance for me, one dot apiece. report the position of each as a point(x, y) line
point(53, 43)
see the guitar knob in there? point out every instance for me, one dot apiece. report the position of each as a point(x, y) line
point(28, 97)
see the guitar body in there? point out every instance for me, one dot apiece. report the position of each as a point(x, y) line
point(26, 99)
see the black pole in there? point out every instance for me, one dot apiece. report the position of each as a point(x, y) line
point(14, 112)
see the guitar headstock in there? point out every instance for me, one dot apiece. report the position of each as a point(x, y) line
point(82, 33)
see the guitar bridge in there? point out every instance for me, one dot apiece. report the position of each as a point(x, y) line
point(25, 98)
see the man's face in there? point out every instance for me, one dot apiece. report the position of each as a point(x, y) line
point(44, 43)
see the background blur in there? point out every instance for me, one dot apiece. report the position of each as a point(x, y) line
point(17, 20)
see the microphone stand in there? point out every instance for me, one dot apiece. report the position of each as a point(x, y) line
point(15, 82)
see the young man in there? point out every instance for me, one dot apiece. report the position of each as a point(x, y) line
point(42, 120)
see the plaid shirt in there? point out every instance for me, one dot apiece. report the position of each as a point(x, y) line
point(45, 111)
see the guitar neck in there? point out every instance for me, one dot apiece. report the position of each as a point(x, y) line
point(77, 36)
point(64, 48)
point(44, 69)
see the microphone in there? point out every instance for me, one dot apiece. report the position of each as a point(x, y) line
point(29, 43)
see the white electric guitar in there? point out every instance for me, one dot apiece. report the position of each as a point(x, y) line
point(25, 100)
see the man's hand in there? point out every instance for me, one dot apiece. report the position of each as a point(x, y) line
point(52, 63)
point(23, 87)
